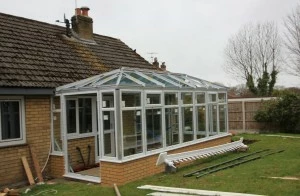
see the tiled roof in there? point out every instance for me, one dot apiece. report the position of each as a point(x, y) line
point(37, 54)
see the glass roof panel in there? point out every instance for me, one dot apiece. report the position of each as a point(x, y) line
point(126, 81)
point(160, 80)
point(111, 82)
point(140, 77)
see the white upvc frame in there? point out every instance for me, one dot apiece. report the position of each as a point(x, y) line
point(101, 126)
point(77, 134)
point(22, 139)
point(155, 106)
point(142, 109)
point(54, 110)
point(225, 104)
point(177, 95)
point(153, 92)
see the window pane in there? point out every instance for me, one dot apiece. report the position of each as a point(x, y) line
point(85, 115)
point(153, 126)
point(71, 116)
point(132, 132)
point(222, 118)
point(171, 99)
point(109, 133)
point(187, 122)
point(172, 126)
point(108, 100)
point(201, 122)
point(10, 120)
point(222, 97)
point(57, 143)
point(131, 99)
point(200, 97)
point(153, 98)
point(212, 97)
point(187, 98)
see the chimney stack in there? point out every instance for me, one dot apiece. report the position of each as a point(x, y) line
point(82, 24)
point(163, 66)
point(155, 62)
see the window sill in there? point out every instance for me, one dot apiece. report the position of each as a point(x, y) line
point(12, 144)
point(79, 136)
point(57, 153)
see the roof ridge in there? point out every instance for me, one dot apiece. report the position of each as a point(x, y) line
point(54, 25)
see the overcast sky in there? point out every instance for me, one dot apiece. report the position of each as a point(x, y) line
point(189, 35)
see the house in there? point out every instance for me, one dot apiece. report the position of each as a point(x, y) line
point(93, 108)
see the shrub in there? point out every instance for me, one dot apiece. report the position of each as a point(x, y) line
point(283, 111)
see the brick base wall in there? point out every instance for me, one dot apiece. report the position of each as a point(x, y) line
point(122, 173)
point(82, 143)
point(57, 166)
point(11, 167)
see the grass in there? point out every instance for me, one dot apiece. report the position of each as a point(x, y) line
point(247, 178)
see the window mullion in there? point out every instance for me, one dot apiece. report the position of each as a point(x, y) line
point(77, 116)
point(0, 122)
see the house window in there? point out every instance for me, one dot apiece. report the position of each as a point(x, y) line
point(11, 128)
point(79, 116)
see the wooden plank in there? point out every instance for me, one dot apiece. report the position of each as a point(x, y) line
point(27, 170)
point(36, 165)
point(191, 191)
point(117, 190)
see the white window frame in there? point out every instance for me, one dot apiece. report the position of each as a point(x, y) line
point(101, 117)
point(77, 135)
point(142, 109)
point(147, 92)
point(22, 139)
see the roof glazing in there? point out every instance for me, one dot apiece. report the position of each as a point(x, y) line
point(143, 78)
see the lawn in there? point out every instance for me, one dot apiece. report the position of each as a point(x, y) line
point(251, 177)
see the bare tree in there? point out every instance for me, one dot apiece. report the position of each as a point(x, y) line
point(292, 41)
point(253, 55)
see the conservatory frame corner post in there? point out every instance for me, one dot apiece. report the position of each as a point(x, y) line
point(99, 130)
point(119, 140)
point(63, 122)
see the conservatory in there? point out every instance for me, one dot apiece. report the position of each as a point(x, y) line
point(109, 124)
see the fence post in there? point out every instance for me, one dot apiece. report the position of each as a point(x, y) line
point(244, 115)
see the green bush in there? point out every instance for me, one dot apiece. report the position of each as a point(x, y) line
point(283, 111)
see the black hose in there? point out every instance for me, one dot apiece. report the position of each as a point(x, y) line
point(82, 159)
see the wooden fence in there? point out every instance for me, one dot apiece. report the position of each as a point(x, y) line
point(241, 113)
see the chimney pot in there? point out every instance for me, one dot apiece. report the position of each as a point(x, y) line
point(155, 62)
point(85, 11)
point(77, 11)
point(163, 66)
